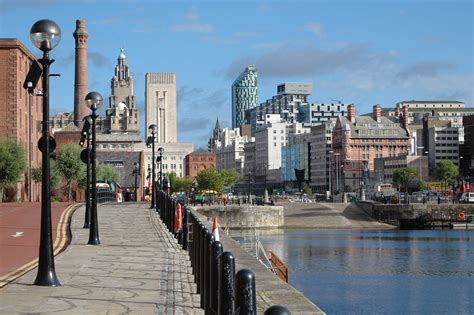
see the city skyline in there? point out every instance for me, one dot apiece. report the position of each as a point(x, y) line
point(362, 52)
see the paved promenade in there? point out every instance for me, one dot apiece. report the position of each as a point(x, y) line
point(139, 268)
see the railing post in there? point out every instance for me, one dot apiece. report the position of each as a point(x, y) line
point(202, 259)
point(216, 252)
point(226, 284)
point(277, 310)
point(185, 227)
point(245, 295)
point(206, 273)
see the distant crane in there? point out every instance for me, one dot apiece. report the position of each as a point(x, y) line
point(336, 101)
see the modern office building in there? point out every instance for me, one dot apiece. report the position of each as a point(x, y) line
point(295, 158)
point(20, 113)
point(385, 167)
point(160, 105)
point(467, 152)
point(287, 103)
point(443, 144)
point(122, 116)
point(244, 95)
point(321, 168)
point(319, 113)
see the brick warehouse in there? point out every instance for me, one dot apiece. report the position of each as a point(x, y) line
point(15, 111)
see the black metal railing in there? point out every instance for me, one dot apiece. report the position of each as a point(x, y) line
point(105, 195)
point(222, 290)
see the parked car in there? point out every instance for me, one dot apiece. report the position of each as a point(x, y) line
point(467, 197)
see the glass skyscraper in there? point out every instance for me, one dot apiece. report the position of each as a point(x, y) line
point(244, 95)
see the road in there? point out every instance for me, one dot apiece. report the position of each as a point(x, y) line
point(328, 216)
point(20, 233)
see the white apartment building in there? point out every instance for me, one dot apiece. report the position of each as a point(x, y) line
point(229, 149)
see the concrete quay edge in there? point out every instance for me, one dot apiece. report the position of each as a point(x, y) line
point(271, 290)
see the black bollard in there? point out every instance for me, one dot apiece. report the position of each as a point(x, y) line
point(202, 259)
point(207, 261)
point(245, 295)
point(277, 310)
point(226, 284)
point(216, 252)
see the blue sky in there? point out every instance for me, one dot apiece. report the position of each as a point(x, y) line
point(364, 52)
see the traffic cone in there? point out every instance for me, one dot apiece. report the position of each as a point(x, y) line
point(215, 229)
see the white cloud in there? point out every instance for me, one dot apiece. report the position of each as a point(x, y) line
point(315, 28)
point(192, 23)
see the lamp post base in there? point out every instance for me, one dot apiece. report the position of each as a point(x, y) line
point(47, 279)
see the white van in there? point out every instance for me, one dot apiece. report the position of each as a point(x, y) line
point(467, 197)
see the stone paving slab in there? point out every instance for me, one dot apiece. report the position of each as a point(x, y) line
point(139, 268)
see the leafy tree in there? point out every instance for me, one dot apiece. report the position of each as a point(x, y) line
point(182, 184)
point(69, 164)
point(54, 176)
point(12, 163)
point(404, 176)
point(229, 177)
point(107, 172)
point(210, 179)
point(173, 178)
point(421, 185)
point(446, 171)
point(305, 189)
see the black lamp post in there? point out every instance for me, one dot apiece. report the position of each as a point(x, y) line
point(135, 171)
point(152, 128)
point(85, 136)
point(45, 35)
point(94, 101)
point(160, 158)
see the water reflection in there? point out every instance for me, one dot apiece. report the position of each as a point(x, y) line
point(417, 272)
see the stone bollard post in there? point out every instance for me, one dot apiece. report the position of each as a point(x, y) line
point(216, 252)
point(245, 295)
point(226, 284)
point(277, 310)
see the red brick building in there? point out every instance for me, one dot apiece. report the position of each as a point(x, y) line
point(198, 161)
point(16, 112)
point(358, 140)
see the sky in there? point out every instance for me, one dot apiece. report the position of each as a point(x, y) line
point(363, 52)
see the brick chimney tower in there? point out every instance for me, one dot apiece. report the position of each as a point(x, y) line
point(405, 117)
point(377, 111)
point(81, 77)
point(351, 112)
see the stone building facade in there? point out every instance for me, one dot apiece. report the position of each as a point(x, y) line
point(122, 114)
point(20, 113)
point(358, 140)
point(160, 105)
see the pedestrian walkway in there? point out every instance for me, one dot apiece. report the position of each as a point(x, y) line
point(139, 268)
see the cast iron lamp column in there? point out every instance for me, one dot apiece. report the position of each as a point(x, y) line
point(161, 151)
point(152, 128)
point(135, 171)
point(94, 101)
point(87, 134)
point(45, 35)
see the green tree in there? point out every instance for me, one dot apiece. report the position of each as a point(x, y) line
point(210, 179)
point(69, 164)
point(421, 185)
point(12, 163)
point(107, 172)
point(305, 189)
point(446, 172)
point(182, 184)
point(404, 176)
point(54, 176)
point(229, 177)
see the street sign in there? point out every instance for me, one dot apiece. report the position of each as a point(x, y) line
point(42, 144)
point(84, 156)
